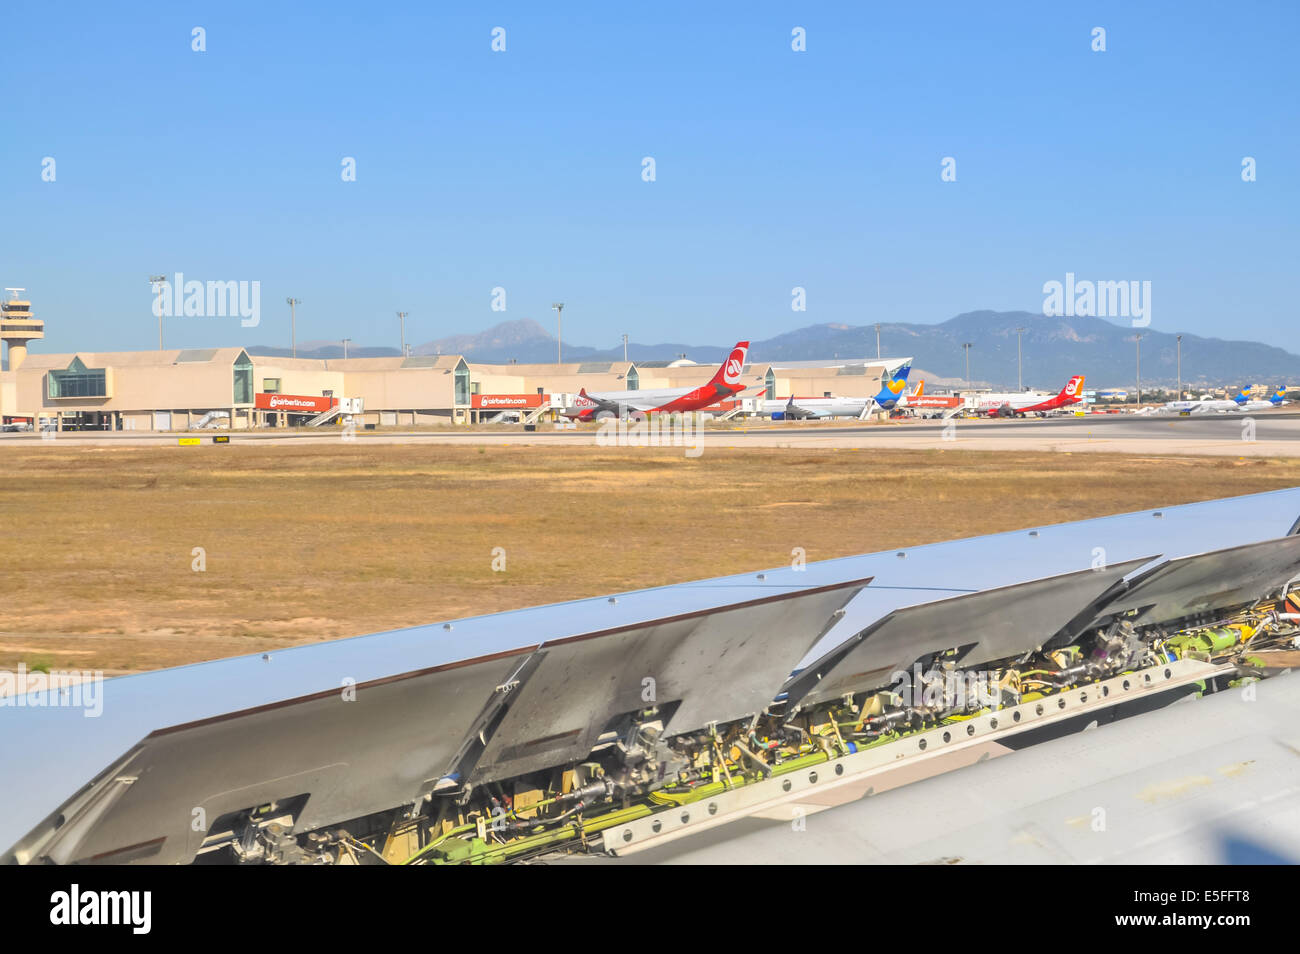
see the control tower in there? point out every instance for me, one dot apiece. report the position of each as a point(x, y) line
point(17, 326)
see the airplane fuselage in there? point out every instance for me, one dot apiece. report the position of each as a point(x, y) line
point(724, 384)
point(804, 408)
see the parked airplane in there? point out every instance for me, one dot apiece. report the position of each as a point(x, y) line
point(1206, 405)
point(1209, 405)
point(1246, 403)
point(892, 394)
point(1018, 405)
point(908, 400)
point(802, 409)
point(724, 384)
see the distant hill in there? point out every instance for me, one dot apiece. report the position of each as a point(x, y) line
point(525, 341)
point(1053, 350)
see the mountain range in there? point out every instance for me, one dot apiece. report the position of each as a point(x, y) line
point(1053, 349)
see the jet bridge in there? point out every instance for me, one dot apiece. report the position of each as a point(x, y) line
point(619, 724)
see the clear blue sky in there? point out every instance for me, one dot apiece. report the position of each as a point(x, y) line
point(522, 169)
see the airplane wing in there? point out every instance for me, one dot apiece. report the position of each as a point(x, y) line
point(282, 730)
point(620, 406)
point(183, 761)
point(798, 412)
point(601, 403)
point(1234, 801)
point(640, 405)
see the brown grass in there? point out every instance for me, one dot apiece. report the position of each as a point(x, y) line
point(314, 542)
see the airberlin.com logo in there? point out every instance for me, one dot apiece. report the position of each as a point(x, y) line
point(504, 401)
point(293, 402)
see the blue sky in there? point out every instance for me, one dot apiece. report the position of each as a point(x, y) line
point(522, 169)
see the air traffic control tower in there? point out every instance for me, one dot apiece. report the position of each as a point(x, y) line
point(17, 326)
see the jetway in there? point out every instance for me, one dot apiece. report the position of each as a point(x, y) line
point(618, 724)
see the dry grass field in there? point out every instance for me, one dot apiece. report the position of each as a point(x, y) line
point(318, 542)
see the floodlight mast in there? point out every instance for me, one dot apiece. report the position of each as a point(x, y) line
point(559, 333)
point(157, 281)
point(293, 304)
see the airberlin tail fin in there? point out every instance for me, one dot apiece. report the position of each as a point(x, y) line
point(1073, 388)
point(728, 374)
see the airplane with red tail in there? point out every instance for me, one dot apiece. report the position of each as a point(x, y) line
point(1018, 405)
point(724, 384)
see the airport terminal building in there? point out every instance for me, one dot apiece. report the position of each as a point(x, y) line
point(180, 389)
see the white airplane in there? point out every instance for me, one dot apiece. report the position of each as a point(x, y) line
point(1242, 402)
point(803, 409)
point(1206, 405)
point(1246, 403)
point(892, 395)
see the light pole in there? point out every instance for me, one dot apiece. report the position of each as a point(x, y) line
point(293, 304)
point(559, 334)
point(966, 345)
point(1138, 339)
point(1180, 367)
point(157, 281)
point(401, 317)
point(625, 349)
point(1020, 383)
point(877, 341)
point(345, 348)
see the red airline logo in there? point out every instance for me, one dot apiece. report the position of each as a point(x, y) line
point(300, 403)
point(735, 364)
point(508, 400)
